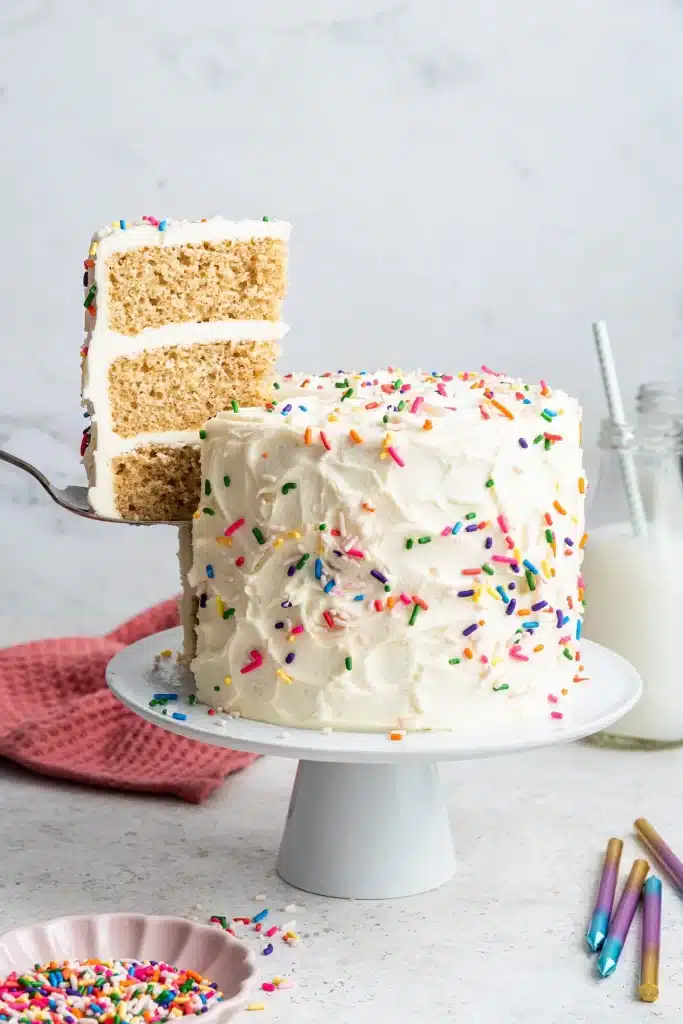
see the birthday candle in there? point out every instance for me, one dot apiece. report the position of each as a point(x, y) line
point(599, 922)
point(662, 852)
point(648, 990)
point(622, 918)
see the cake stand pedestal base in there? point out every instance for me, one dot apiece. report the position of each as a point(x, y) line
point(366, 831)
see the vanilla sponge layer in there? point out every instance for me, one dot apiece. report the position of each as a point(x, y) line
point(157, 481)
point(180, 387)
point(231, 279)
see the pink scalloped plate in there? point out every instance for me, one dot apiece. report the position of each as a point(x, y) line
point(208, 950)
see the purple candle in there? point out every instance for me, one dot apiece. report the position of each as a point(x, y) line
point(648, 990)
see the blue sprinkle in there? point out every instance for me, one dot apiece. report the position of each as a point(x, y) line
point(209, 572)
point(259, 917)
point(549, 412)
point(318, 568)
point(165, 696)
point(163, 224)
point(267, 950)
point(526, 401)
point(359, 597)
point(456, 529)
point(565, 620)
point(123, 225)
point(503, 594)
point(531, 625)
point(329, 586)
point(578, 629)
point(287, 408)
point(179, 716)
point(304, 408)
point(530, 566)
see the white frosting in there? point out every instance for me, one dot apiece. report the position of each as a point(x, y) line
point(105, 345)
point(402, 675)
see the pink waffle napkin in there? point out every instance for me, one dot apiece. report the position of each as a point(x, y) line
point(58, 718)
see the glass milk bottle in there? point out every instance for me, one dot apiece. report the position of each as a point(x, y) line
point(634, 584)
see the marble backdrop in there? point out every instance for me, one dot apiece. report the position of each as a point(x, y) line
point(468, 181)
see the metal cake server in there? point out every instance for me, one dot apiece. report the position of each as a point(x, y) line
point(75, 499)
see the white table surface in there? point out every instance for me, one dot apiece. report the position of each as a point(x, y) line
point(501, 944)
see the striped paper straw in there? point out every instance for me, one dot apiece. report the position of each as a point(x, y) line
point(599, 922)
point(622, 918)
point(648, 990)
point(664, 854)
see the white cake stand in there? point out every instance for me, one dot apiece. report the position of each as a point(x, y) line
point(367, 818)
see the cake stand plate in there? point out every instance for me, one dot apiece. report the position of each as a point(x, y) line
point(367, 817)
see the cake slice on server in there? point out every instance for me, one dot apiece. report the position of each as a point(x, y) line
point(182, 321)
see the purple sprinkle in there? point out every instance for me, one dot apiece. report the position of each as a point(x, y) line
point(523, 443)
point(569, 542)
point(511, 586)
point(267, 950)
point(286, 604)
point(202, 601)
point(291, 570)
point(279, 625)
point(290, 657)
point(379, 576)
point(471, 528)
point(511, 607)
point(339, 554)
point(560, 617)
point(488, 543)
point(287, 408)
point(470, 629)
point(465, 593)
point(539, 604)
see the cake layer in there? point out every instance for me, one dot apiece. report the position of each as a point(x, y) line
point(157, 481)
point(389, 551)
point(196, 282)
point(180, 387)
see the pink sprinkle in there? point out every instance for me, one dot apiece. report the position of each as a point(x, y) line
point(256, 662)
point(286, 984)
point(447, 377)
point(355, 553)
point(268, 986)
point(544, 386)
point(510, 542)
point(484, 660)
point(505, 559)
point(552, 699)
point(395, 456)
point(556, 714)
point(517, 656)
point(484, 414)
point(416, 404)
point(442, 390)
point(271, 931)
point(152, 220)
point(404, 597)
point(564, 639)
point(297, 629)
point(486, 369)
point(233, 526)
point(446, 530)
point(326, 443)
point(503, 523)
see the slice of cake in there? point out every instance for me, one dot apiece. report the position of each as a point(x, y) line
point(390, 551)
point(182, 320)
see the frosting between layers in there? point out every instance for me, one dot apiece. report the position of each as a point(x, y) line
point(103, 346)
point(385, 589)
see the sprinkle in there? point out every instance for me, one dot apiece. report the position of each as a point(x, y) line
point(286, 488)
point(202, 434)
point(318, 568)
point(355, 553)
point(404, 598)
point(511, 607)
point(504, 559)
point(259, 536)
point(256, 662)
point(379, 576)
point(326, 443)
point(488, 543)
point(502, 408)
point(503, 593)
point(454, 661)
point(163, 224)
point(290, 657)
point(285, 409)
point(549, 536)
point(471, 528)
point(328, 619)
point(489, 483)
point(424, 540)
point(210, 572)
point(465, 593)
point(456, 529)
point(522, 443)
point(469, 653)
point(560, 508)
point(378, 605)
point(355, 436)
point(348, 662)
point(567, 653)
point(470, 629)
point(330, 585)
point(559, 614)
point(267, 950)
point(283, 676)
point(417, 402)
point(578, 629)
point(413, 614)
point(302, 561)
point(556, 714)
point(582, 542)
point(531, 582)
point(307, 435)
point(397, 734)
point(470, 572)
point(228, 532)
point(487, 569)
point(531, 625)
point(427, 425)
point(179, 716)
point(297, 630)
point(395, 456)
point(228, 613)
point(409, 543)
point(503, 686)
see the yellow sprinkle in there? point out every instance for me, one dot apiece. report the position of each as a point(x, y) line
point(93, 248)
point(546, 568)
point(537, 648)
point(196, 515)
point(220, 606)
point(477, 594)
point(496, 661)
point(255, 1006)
point(166, 654)
point(582, 485)
point(355, 436)
point(283, 676)
point(224, 542)
point(332, 418)
point(278, 542)
point(564, 692)
point(295, 534)
point(582, 542)
point(494, 594)
point(277, 980)
point(427, 425)
point(552, 572)
point(227, 680)
point(517, 555)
